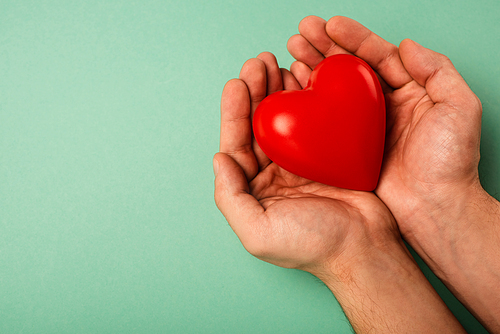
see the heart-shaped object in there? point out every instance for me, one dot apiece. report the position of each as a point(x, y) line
point(333, 130)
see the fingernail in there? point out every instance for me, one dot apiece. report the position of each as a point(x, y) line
point(416, 43)
point(216, 167)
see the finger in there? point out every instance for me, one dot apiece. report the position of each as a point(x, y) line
point(242, 211)
point(273, 73)
point(301, 72)
point(254, 74)
point(313, 29)
point(289, 81)
point(381, 55)
point(303, 51)
point(236, 126)
point(437, 74)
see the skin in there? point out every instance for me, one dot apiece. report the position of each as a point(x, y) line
point(348, 239)
point(429, 179)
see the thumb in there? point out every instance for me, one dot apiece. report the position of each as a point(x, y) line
point(437, 74)
point(232, 197)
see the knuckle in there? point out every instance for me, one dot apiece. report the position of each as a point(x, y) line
point(478, 106)
point(258, 97)
point(256, 247)
point(479, 103)
point(255, 243)
point(389, 57)
point(444, 58)
point(442, 61)
point(218, 196)
point(242, 149)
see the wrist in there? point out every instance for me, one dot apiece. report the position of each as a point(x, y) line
point(384, 281)
point(439, 226)
point(368, 269)
point(460, 245)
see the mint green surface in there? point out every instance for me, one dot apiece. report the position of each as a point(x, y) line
point(109, 118)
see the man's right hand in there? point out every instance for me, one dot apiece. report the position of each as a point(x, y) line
point(429, 177)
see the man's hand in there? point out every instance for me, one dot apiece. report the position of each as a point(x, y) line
point(280, 217)
point(434, 119)
point(429, 177)
point(348, 239)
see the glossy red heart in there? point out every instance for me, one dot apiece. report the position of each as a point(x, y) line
point(333, 130)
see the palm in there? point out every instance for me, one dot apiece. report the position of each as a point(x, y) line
point(425, 152)
point(410, 144)
point(310, 223)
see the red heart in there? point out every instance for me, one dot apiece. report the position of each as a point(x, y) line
point(333, 130)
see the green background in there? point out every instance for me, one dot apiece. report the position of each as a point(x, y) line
point(109, 118)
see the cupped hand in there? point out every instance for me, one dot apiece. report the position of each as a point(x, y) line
point(348, 239)
point(433, 118)
point(279, 217)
